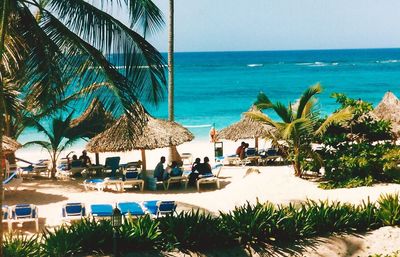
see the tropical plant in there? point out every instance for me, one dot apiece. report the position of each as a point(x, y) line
point(21, 246)
point(194, 230)
point(57, 138)
point(49, 47)
point(353, 152)
point(300, 124)
point(141, 233)
point(389, 209)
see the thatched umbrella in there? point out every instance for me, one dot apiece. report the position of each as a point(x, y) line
point(157, 133)
point(246, 128)
point(92, 122)
point(389, 109)
point(10, 145)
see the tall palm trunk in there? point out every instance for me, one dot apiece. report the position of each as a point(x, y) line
point(173, 153)
point(3, 27)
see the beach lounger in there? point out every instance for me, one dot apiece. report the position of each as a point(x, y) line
point(67, 174)
point(12, 182)
point(101, 210)
point(6, 216)
point(131, 208)
point(115, 182)
point(94, 184)
point(21, 213)
point(73, 211)
point(177, 179)
point(132, 179)
point(212, 178)
point(112, 165)
point(160, 208)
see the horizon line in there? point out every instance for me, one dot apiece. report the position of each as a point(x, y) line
point(286, 50)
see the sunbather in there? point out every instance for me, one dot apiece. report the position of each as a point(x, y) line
point(195, 173)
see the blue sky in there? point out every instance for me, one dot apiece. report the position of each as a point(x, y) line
point(234, 25)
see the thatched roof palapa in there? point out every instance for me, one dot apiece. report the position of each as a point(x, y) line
point(10, 145)
point(157, 133)
point(92, 122)
point(246, 128)
point(389, 109)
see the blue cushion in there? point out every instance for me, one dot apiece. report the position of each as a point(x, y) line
point(74, 209)
point(101, 210)
point(132, 175)
point(167, 206)
point(151, 206)
point(94, 180)
point(130, 207)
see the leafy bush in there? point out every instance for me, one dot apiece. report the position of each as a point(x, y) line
point(352, 155)
point(60, 243)
point(250, 225)
point(142, 233)
point(389, 209)
point(21, 246)
point(194, 230)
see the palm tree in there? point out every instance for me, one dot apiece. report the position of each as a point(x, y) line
point(173, 153)
point(299, 125)
point(57, 138)
point(61, 46)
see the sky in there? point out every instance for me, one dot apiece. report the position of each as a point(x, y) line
point(241, 25)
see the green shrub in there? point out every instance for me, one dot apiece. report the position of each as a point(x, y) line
point(194, 230)
point(142, 233)
point(60, 243)
point(389, 209)
point(21, 246)
point(251, 225)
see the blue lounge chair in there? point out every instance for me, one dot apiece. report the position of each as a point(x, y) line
point(95, 183)
point(112, 163)
point(73, 211)
point(132, 208)
point(160, 208)
point(212, 178)
point(12, 182)
point(101, 210)
point(21, 213)
point(132, 179)
point(6, 216)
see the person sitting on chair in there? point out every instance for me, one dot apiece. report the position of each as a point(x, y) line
point(195, 173)
point(159, 170)
point(241, 150)
point(85, 159)
point(175, 171)
point(75, 163)
point(204, 168)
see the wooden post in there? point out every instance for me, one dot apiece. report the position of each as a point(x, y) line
point(97, 158)
point(256, 143)
point(143, 152)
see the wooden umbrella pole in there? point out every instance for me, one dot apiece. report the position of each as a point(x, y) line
point(256, 143)
point(143, 152)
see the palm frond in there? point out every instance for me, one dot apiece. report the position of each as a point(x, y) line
point(301, 124)
point(263, 101)
point(284, 113)
point(305, 98)
point(143, 64)
point(145, 16)
point(338, 117)
point(259, 116)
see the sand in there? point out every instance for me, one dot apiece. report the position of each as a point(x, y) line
point(274, 183)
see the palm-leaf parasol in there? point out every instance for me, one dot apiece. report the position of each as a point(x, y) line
point(246, 128)
point(157, 133)
point(389, 109)
point(10, 145)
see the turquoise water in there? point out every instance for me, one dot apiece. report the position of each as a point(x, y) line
point(216, 87)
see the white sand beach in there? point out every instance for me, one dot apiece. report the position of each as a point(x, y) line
point(276, 184)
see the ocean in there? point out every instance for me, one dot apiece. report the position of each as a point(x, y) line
point(216, 87)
